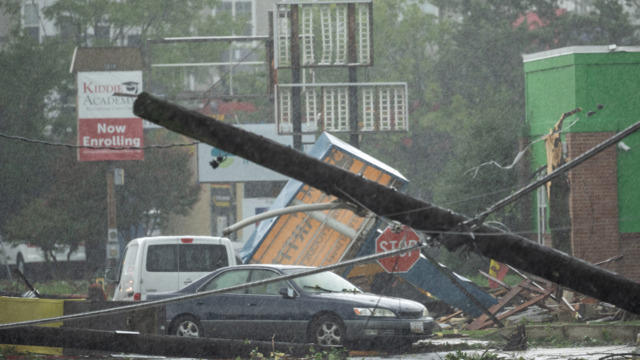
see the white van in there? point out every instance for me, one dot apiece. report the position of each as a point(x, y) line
point(168, 263)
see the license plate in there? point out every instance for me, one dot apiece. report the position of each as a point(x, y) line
point(417, 327)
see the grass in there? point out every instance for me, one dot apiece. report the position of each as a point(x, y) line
point(54, 287)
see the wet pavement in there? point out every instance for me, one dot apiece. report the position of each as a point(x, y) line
point(586, 353)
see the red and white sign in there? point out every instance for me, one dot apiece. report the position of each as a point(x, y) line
point(100, 135)
point(392, 240)
point(105, 121)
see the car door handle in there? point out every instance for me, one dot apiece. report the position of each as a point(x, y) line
point(252, 304)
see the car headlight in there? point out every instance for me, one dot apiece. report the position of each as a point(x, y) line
point(377, 312)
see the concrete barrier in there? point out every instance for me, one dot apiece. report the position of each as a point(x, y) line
point(16, 309)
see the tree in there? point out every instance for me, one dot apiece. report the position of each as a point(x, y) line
point(37, 71)
point(54, 200)
point(607, 23)
point(160, 188)
point(466, 83)
point(408, 51)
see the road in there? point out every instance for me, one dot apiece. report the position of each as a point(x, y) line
point(586, 353)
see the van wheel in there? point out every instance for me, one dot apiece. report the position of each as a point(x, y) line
point(20, 265)
point(186, 325)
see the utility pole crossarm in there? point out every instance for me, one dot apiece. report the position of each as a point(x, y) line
point(287, 210)
point(168, 40)
point(489, 241)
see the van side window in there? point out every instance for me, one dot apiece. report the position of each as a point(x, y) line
point(198, 257)
point(162, 258)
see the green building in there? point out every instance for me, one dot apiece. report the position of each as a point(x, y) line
point(604, 192)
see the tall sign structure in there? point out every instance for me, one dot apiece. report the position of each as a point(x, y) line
point(107, 128)
point(324, 35)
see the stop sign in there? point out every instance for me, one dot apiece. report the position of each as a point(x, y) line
point(392, 240)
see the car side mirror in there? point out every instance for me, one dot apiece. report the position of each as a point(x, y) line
point(287, 293)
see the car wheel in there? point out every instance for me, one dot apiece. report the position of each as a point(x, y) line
point(186, 325)
point(327, 330)
point(20, 265)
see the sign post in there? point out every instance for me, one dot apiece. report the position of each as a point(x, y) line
point(397, 237)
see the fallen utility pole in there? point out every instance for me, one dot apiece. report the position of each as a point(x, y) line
point(129, 342)
point(489, 241)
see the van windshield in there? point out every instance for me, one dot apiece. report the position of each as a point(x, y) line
point(128, 261)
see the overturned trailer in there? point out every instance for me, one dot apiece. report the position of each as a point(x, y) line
point(385, 201)
point(320, 238)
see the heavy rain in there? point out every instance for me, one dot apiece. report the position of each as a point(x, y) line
point(305, 179)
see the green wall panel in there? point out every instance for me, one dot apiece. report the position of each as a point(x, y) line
point(549, 93)
point(629, 185)
point(561, 81)
point(617, 87)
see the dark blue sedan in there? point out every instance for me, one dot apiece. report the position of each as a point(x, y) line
point(322, 308)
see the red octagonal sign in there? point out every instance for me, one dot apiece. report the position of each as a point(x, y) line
point(390, 240)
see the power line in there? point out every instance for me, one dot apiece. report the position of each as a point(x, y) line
point(71, 146)
point(148, 304)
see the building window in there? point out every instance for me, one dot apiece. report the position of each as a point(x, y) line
point(134, 40)
point(31, 20)
point(102, 32)
point(240, 11)
point(244, 14)
point(66, 28)
point(224, 8)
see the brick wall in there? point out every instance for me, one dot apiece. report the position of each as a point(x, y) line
point(630, 248)
point(593, 202)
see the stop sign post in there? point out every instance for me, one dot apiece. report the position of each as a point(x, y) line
point(393, 238)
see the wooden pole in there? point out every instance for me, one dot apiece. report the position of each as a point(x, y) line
point(354, 136)
point(296, 76)
point(489, 241)
point(134, 343)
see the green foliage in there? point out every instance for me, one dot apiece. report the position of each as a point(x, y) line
point(459, 355)
point(466, 85)
point(48, 198)
point(608, 23)
point(51, 288)
point(144, 17)
point(38, 71)
point(333, 354)
point(160, 186)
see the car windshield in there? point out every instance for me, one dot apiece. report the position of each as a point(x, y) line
point(323, 282)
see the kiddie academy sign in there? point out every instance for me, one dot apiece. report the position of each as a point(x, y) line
point(107, 127)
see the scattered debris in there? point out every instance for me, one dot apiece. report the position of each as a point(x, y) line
point(518, 340)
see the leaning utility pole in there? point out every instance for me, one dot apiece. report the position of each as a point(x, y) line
point(451, 229)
